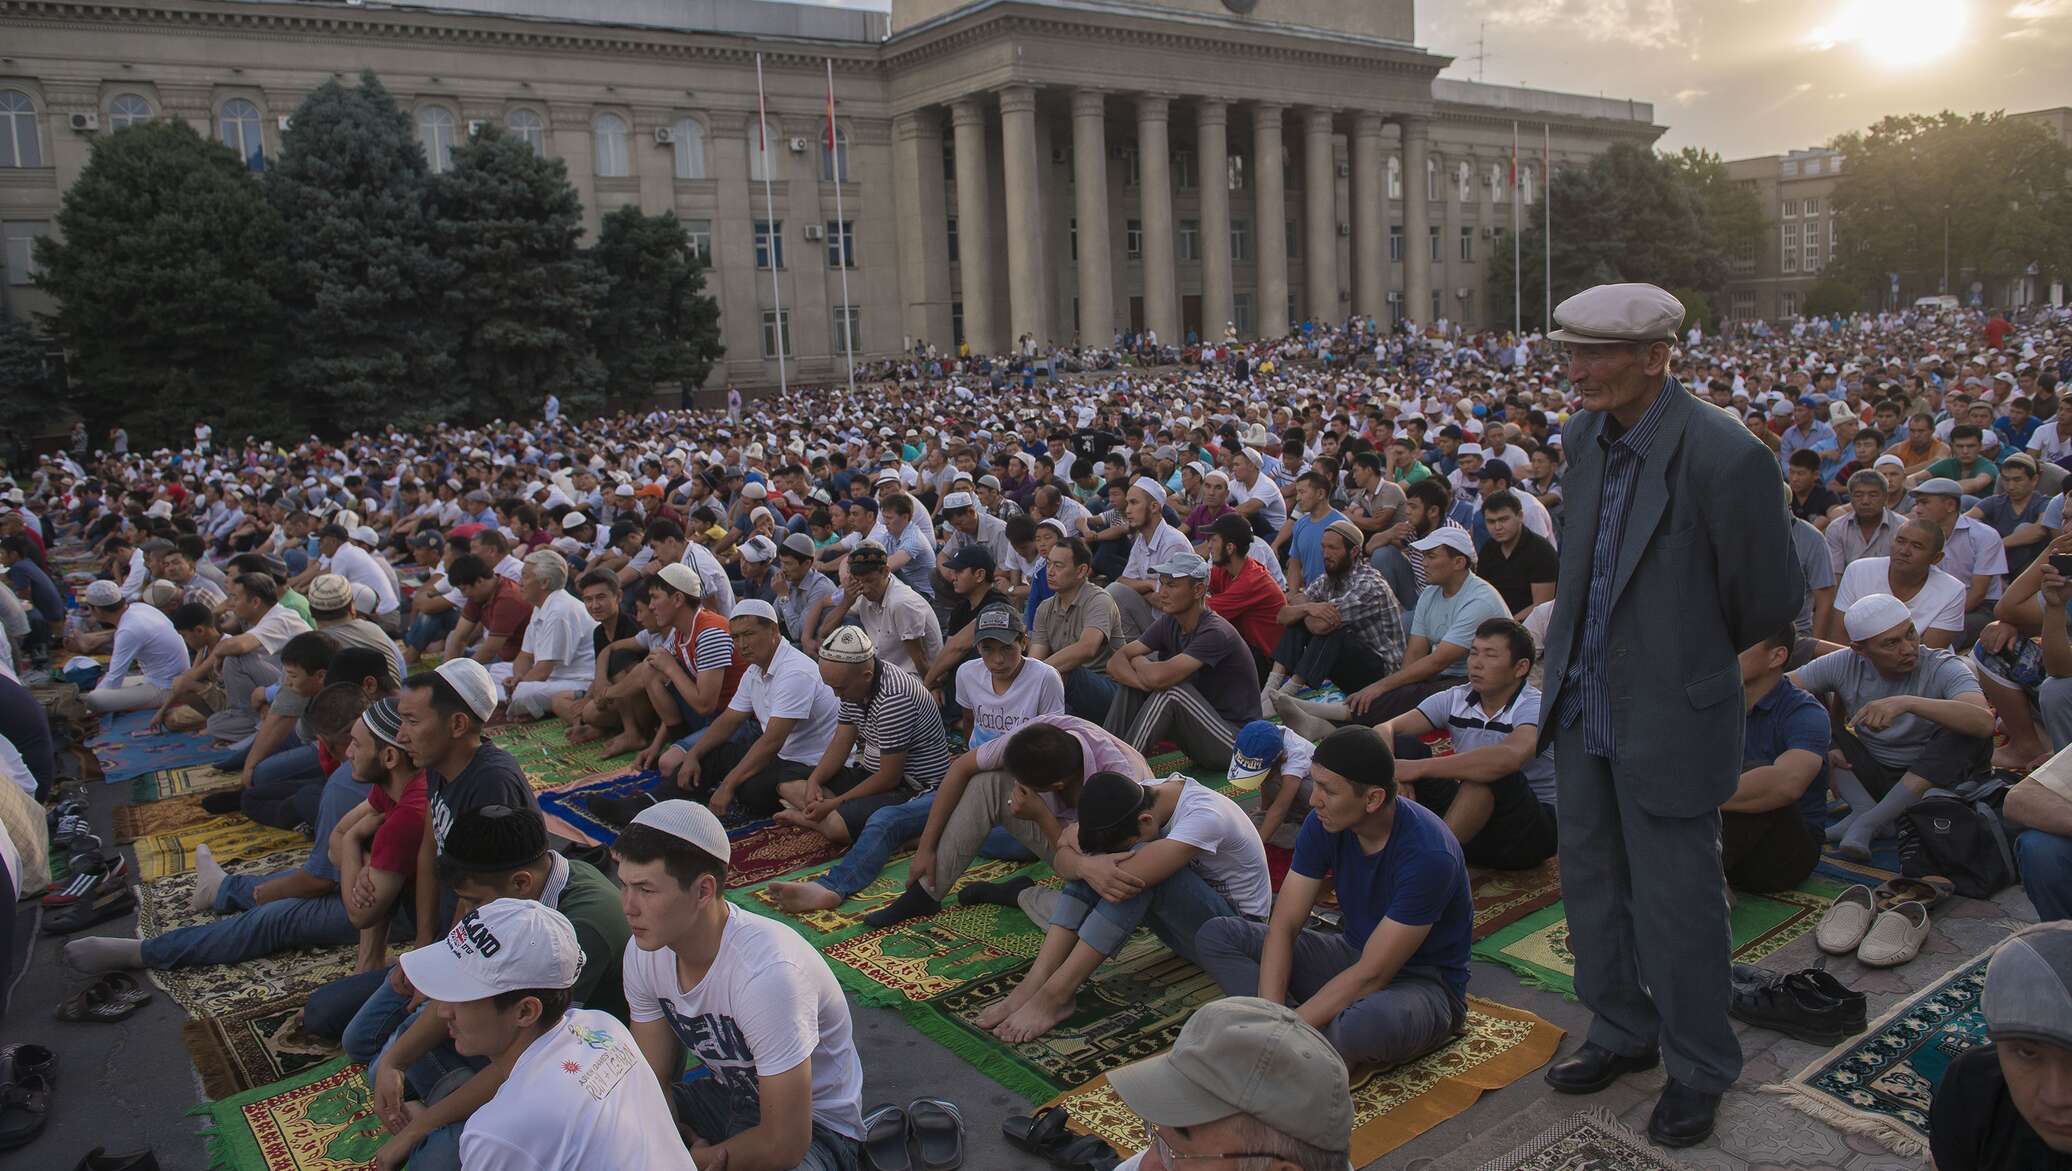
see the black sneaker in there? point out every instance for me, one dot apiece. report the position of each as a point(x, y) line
point(223, 801)
point(620, 811)
point(1809, 1005)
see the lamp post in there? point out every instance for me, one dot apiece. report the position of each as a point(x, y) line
point(1946, 251)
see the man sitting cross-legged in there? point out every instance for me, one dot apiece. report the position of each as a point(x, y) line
point(692, 675)
point(1496, 789)
point(1345, 627)
point(1189, 676)
point(615, 644)
point(1771, 828)
point(1194, 856)
point(1393, 985)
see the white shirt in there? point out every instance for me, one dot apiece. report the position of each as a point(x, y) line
point(790, 690)
point(1037, 689)
point(1273, 508)
point(145, 639)
point(903, 615)
point(1230, 858)
point(719, 592)
point(1938, 606)
point(2050, 442)
point(510, 567)
point(579, 1097)
point(1145, 552)
point(276, 627)
point(560, 631)
point(357, 566)
point(1975, 549)
point(1262, 552)
point(768, 1002)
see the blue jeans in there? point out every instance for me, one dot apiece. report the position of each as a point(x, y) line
point(426, 629)
point(894, 826)
point(1088, 693)
point(289, 764)
point(331, 1008)
point(261, 930)
point(2046, 864)
point(376, 1026)
point(1177, 908)
point(715, 1116)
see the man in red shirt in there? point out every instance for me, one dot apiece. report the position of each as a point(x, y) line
point(1242, 591)
point(1997, 329)
point(495, 609)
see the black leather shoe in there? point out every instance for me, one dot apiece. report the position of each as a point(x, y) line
point(1683, 1116)
point(1810, 1005)
point(1593, 1067)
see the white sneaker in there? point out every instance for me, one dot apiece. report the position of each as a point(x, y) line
point(1895, 937)
point(1844, 924)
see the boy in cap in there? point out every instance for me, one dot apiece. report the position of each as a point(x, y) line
point(1002, 687)
point(692, 674)
point(901, 623)
point(746, 995)
point(1274, 761)
point(1246, 1079)
point(1189, 676)
point(574, 1097)
point(2007, 1105)
point(443, 711)
point(1194, 857)
point(974, 578)
point(803, 593)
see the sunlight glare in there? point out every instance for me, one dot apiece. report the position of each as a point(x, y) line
point(1896, 33)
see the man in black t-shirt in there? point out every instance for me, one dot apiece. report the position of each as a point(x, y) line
point(1520, 563)
point(973, 574)
point(2008, 1105)
point(1190, 677)
point(443, 712)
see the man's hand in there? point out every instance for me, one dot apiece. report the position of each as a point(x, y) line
point(688, 772)
point(389, 1090)
point(922, 868)
point(1109, 880)
point(708, 1158)
point(399, 983)
point(1399, 532)
point(363, 894)
point(1878, 714)
point(1997, 636)
point(2055, 588)
point(1359, 701)
point(722, 799)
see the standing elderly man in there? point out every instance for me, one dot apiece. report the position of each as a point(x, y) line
point(1667, 574)
point(1152, 542)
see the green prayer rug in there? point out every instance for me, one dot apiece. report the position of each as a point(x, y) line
point(321, 1119)
point(1536, 946)
point(549, 760)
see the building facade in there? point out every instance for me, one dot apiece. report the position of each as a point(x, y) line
point(1051, 169)
point(1770, 282)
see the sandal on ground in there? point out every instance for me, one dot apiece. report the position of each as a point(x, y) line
point(24, 1108)
point(111, 998)
point(25, 1060)
point(938, 1130)
point(1926, 891)
point(101, 907)
point(1037, 1133)
point(885, 1139)
point(1085, 1152)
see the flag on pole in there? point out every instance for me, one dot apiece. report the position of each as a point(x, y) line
point(830, 105)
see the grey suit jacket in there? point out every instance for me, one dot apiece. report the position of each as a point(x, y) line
point(1705, 571)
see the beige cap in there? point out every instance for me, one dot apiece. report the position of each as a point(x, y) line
point(1244, 1055)
point(683, 579)
point(330, 592)
point(1609, 314)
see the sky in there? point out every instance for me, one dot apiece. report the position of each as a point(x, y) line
point(1753, 77)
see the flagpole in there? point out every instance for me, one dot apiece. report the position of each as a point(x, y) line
point(772, 241)
point(834, 147)
point(1517, 273)
point(1547, 194)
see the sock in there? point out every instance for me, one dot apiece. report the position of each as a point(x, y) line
point(208, 879)
point(1859, 798)
point(1857, 843)
point(105, 954)
point(1275, 678)
point(913, 903)
point(1303, 716)
point(223, 801)
point(999, 894)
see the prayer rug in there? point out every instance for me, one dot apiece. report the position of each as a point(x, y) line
point(127, 751)
point(1879, 1085)
point(1502, 897)
point(228, 837)
point(320, 1120)
point(222, 989)
point(549, 760)
point(253, 1046)
point(178, 782)
point(1591, 1140)
point(1499, 1045)
point(1536, 946)
point(570, 806)
point(157, 817)
point(765, 850)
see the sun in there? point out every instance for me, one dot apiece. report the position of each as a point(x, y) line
point(1896, 33)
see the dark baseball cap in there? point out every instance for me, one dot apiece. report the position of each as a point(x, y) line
point(972, 557)
point(999, 623)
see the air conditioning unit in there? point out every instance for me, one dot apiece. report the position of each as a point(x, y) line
point(664, 135)
point(1344, 169)
point(475, 126)
point(1492, 233)
point(798, 145)
point(1060, 155)
point(284, 121)
point(1395, 296)
point(1344, 229)
point(85, 122)
point(1461, 292)
point(815, 231)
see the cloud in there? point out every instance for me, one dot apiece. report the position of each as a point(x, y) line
point(1685, 97)
point(2040, 10)
point(2022, 34)
point(1650, 24)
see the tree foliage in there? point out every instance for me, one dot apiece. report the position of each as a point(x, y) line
point(524, 297)
point(358, 273)
point(655, 323)
point(1998, 185)
point(1830, 297)
point(158, 278)
point(24, 386)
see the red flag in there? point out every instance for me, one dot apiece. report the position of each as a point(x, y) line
point(830, 104)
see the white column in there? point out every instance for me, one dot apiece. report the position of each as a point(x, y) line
point(1026, 310)
point(1090, 202)
point(974, 233)
point(1212, 149)
point(1320, 216)
point(1155, 190)
point(1270, 210)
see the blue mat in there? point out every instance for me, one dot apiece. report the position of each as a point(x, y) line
point(573, 807)
point(125, 756)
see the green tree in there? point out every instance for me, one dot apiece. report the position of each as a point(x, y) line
point(24, 386)
point(655, 323)
point(1994, 187)
point(523, 296)
point(358, 273)
point(1731, 212)
point(1830, 297)
point(161, 301)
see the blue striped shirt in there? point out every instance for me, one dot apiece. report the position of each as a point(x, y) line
point(1583, 687)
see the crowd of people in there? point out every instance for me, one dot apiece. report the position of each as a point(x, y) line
point(960, 608)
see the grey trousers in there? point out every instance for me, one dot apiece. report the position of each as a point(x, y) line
point(2054, 704)
point(1415, 1014)
point(1181, 714)
point(241, 675)
point(983, 806)
point(1137, 612)
point(1629, 875)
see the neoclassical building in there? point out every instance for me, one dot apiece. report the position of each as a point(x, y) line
point(1052, 168)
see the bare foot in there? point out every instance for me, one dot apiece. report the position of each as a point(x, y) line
point(1032, 1020)
point(2017, 756)
point(803, 896)
point(790, 816)
point(582, 733)
point(998, 1012)
point(624, 743)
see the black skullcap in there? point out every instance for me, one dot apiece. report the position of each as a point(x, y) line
point(1360, 755)
point(1108, 806)
point(495, 839)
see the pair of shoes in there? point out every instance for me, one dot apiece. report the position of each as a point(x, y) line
point(1809, 1005)
point(1593, 1067)
point(92, 874)
point(25, 1060)
point(99, 1160)
point(1884, 928)
point(1044, 1134)
point(28, 1074)
point(111, 998)
point(1683, 1116)
point(928, 1135)
point(104, 903)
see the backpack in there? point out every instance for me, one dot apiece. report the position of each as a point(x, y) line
point(1957, 833)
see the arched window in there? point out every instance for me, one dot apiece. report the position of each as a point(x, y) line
point(237, 125)
point(1531, 181)
point(608, 135)
point(760, 152)
point(1465, 180)
point(839, 155)
point(1431, 178)
point(1395, 177)
point(688, 138)
point(528, 126)
point(1499, 184)
point(127, 110)
point(435, 129)
point(20, 145)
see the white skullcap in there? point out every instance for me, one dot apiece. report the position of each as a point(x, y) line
point(1874, 614)
point(1151, 488)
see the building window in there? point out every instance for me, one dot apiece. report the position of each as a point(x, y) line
point(841, 243)
point(1791, 170)
point(687, 143)
point(699, 233)
point(127, 110)
point(1294, 240)
point(1395, 177)
point(953, 239)
point(1183, 170)
point(1788, 303)
point(769, 244)
point(1241, 313)
point(764, 135)
point(776, 332)
point(19, 259)
point(1236, 167)
point(1395, 243)
point(957, 325)
point(1467, 244)
point(1431, 178)
point(1133, 239)
point(1790, 209)
point(1435, 247)
point(20, 146)
point(1530, 177)
point(848, 323)
point(1465, 180)
point(1129, 168)
point(835, 156)
point(608, 136)
point(1437, 313)
point(1499, 184)
point(1744, 257)
point(1812, 258)
point(435, 130)
point(949, 160)
point(1743, 307)
point(1812, 206)
point(1190, 240)
point(1240, 241)
point(237, 125)
point(1072, 236)
point(531, 128)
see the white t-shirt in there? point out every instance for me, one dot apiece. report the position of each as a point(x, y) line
point(276, 627)
point(1145, 552)
point(579, 1097)
point(791, 690)
point(904, 614)
point(357, 566)
point(2050, 442)
point(1232, 859)
point(1037, 690)
point(1938, 606)
point(510, 567)
point(1273, 507)
point(767, 1003)
point(719, 592)
point(560, 630)
point(145, 640)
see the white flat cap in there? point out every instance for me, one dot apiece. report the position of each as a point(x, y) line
point(1609, 314)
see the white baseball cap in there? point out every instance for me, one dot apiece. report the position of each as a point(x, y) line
point(1451, 536)
point(506, 945)
point(690, 821)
